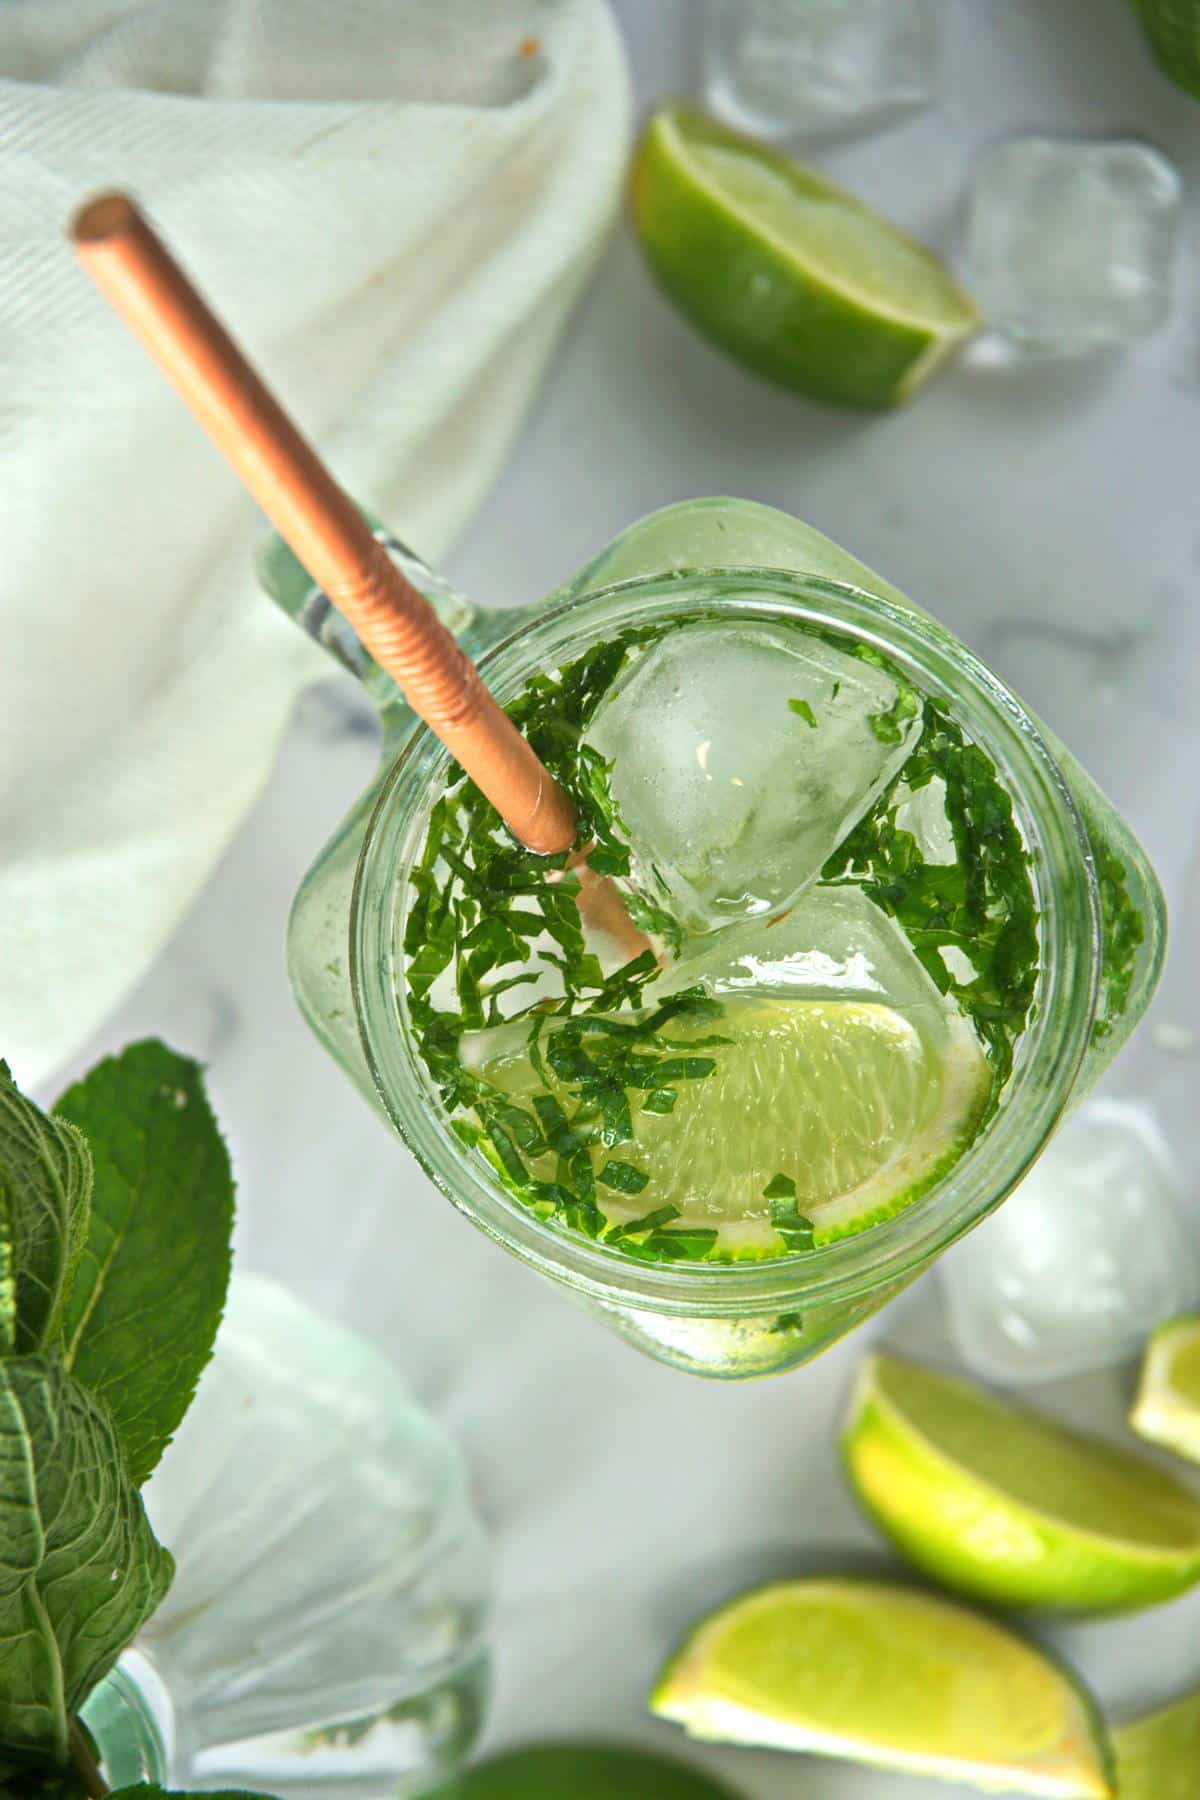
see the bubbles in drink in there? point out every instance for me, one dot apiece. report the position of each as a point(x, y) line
point(776, 744)
point(1071, 242)
point(793, 67)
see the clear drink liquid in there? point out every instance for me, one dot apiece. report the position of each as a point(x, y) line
point(844, 949)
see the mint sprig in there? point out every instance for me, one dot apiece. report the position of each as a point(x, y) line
point(107, 1314)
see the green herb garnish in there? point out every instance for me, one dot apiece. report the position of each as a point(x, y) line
point(1124, 933)
point(115, 1221)
point(888, 726)
point(791, 1224)
point(982, 904)
point(480, 902)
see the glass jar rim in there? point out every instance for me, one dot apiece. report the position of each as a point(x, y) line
point(1049, 1054)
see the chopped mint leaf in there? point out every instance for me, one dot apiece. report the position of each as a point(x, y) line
point(803, 711)
point(792, 1226)
point(780, 1187)
point(1124, 933)
point(628, 1180)
point(660, 1100)
point(662, 1215)
point(789, 1323)
point(983, 903)
point(143, 1312)
point(887, 726)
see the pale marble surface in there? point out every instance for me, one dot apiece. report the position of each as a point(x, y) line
point(1048, 515)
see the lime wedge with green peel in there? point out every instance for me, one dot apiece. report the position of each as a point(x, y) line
point(1172, 29)
point(794, 277)
point(1010, 1507)
point(584, 1772)
point(1167, 1410)
point(881, 1674)
point(850, 1108)
point(1158, 1757)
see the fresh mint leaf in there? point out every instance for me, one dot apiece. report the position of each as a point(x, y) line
point(45, 1183)
point(80, 1570)
point(625, 1179)
point(148, 1296)
point(780, 1187)
point(804, 711)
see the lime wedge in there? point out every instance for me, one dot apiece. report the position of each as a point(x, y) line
point(1158, 1757)
point(881, 1674)
point(1167, 1410)
point(1010, 1507)
point(859, 1106)
point(586, 1771)
point(1172, 29)
point(794, 277)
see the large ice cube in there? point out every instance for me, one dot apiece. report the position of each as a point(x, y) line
point(808, 67)
point(743, 753)
point(834, 944)
point(1071, 242)
point(1080, 1264)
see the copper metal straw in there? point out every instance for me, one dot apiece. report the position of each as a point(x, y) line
point(136, 272)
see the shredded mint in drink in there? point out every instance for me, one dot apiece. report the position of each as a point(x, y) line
point(845, 946)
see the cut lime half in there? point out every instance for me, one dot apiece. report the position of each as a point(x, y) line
point(1009, 1506)
point(1167, 1410)
point(858, 1106)
point(881, 1674)
point(794, 277)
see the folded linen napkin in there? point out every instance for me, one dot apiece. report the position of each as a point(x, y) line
point(394, 203)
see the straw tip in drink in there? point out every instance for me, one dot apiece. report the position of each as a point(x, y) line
point(103, 217)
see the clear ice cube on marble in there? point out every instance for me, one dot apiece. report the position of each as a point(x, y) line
point(1078, 1266)
point(783, 68)
point(1071, 242)
point(732, 799)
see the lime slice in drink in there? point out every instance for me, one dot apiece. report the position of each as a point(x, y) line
point(1172, 28)
point(885, 1675)
point(858, 1106)
point(584, 1772)
point(797, 279)
point(1167, 1410)
point(1158, 1757)
point(1009, 1506)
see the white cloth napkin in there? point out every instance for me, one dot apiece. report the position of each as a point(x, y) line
point(393, 203)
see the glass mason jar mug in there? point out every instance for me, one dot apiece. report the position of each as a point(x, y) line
point(726, 559)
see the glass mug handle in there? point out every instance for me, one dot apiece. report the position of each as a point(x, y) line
point(295, 593)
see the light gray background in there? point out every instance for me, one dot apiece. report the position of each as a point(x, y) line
point(1049, 516)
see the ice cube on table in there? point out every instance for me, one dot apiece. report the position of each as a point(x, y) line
point(1078, 1266)
point(743, 752)
point(1071, 242)
point(810, 67)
